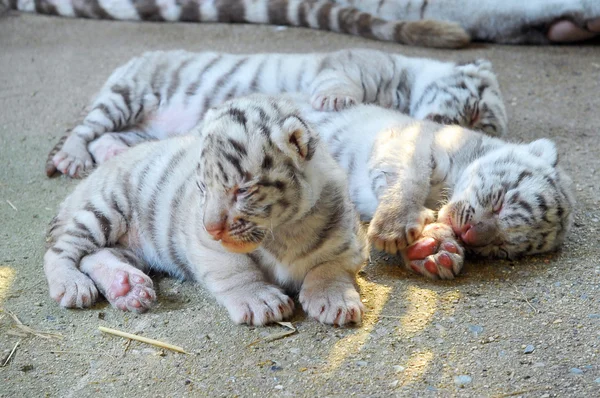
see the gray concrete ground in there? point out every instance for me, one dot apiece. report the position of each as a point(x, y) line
point(418, 336)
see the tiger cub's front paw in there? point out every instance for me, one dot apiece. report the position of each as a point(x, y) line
point(437, 254)
point(72, 288)
point(335, 303)
point(332, 102)
point(392, 232)
point(259, 305)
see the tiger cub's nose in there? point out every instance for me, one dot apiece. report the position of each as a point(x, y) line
point(215, 229)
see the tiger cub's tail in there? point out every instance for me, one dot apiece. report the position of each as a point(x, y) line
point(316, 14)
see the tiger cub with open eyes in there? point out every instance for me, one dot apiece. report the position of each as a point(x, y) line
point(251, 205)
point(162, 94)
point(497, 199)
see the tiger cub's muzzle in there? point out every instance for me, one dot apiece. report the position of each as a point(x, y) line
point(237, 235)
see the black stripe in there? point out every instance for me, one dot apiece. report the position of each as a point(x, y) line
point(177, 78)
point(44, 7)
point(148, 10)
point(257, 74)
point(179, 260)
point(277, 12)
point(235, 162)
point(125, 93)
point(158, 189)
point(346, 19)
point(238, 115)
point(190, 11)
point(219, 83)
point(423, 8)
point(90, 9)
point(105, 224)
point(238, 146)
point(193, 88)
point(56, 250)
point(323, 16)
point(267, 162)
point(87, 231)
point(231, 11)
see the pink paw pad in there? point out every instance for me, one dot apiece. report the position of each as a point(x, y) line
point(436, 259)
point(130, 292)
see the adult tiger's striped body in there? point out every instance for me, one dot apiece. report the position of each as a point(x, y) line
point(506, 21)
point(435, 23)
point(252, 206)
point(316, 14)
point(162, 94)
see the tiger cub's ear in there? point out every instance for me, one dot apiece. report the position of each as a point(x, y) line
point(545, 149)
point(296, 140)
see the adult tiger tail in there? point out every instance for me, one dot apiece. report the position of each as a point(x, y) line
point(315, 14)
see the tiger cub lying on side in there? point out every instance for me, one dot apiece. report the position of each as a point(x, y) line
point(251, 206)
point(162, 94)
point(498, 199)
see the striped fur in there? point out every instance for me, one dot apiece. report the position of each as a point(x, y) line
point(315, 14)
point(501, 199)
point(506, 21)
point(161, 94)
point(251, 205)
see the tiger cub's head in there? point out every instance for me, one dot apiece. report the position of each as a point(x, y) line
point(513, 201)
point(254, 170)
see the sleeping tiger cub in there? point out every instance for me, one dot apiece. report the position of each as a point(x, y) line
point(497, 199)
point(252, 206)
point(315, 14)
point(162, 94)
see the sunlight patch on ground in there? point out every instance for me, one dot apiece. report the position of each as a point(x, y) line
point(7, 275)
point(422, 304)
point(374, 298)
point(420, 308)
point(416, 367)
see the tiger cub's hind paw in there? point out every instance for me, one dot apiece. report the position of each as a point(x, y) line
point(437, 254)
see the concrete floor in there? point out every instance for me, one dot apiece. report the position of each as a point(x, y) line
point(418, 336)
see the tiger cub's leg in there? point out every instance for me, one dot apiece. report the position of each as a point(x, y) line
point(436, 254)
point(110, 145)
point(403, 156)
point(74, 234)
point(118, 274)
point(113, 110)
point(331, 91)
point(329, 294)
point(238, 284)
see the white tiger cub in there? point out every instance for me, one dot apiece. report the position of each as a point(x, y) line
point(162, 94)
point(498, 199)
point(251, 206)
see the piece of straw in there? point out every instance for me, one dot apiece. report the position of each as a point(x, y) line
point(142, 339)
point(28, 330)
point(11, 205)
point(11, 354)
point(276, 336)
